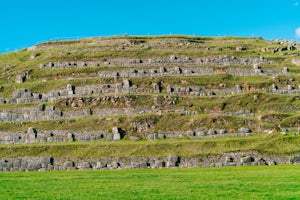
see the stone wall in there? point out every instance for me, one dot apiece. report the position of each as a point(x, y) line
point(188, 71)
point(145, 131)
point(43, 112)
point(60, 164)
point(125, 87)
point(168, 61)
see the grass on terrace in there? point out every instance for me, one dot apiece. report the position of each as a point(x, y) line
point(266, 144)
point(256, 182)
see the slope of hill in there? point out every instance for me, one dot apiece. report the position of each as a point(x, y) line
point(206, 101)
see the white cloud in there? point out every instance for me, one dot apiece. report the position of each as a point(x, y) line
point(298, 32)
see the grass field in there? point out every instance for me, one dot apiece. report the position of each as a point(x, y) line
point(278, 182)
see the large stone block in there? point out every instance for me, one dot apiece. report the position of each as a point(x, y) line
point(115, 130)
point(46, 160)
point(159, 164)
point(101, 165)
point(69, 164)
point(3, 163)
point(173, 161)
point(85, 166)
point(24, 164)
point(296, 160)
point(116, 136)
point(34, 166)
point(247, 159)
point(17, 163)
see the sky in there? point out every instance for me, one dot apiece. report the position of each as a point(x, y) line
point(28, 22)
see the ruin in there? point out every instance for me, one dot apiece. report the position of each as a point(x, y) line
point(149, 89)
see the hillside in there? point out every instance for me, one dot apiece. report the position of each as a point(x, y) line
point(170, 100)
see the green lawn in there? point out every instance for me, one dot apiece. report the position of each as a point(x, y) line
point(278, 182)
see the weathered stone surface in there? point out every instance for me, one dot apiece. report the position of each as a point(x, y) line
point(159, 164)
point(101, 165)
point(85, 166)
point(296, 160)
point(211, 132)
point(46, 160)
point(245, 130)
point(226, 159)
point(116, 133)
point(116, 136)
point(173, 161)
point(190, 133)
point(247, 159)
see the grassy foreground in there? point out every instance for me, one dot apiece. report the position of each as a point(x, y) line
point(259, 182)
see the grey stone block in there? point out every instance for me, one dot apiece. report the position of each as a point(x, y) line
point(229, 159)
point(247, 159)
point(24, 164)
point(3, 163)
point(212, 132)
point(116, 136)
point(272, 162)
point(85, 166)
point(115, 130)
point(173, 161)
point(69, 164)
point(190, 133)
point(101, 165)
point(46, 160)
point(43, 170)
point(17, 163)
point(218, 164)
point(115, 165)
point(9, 165)
point(159, 164)
point(245, 130)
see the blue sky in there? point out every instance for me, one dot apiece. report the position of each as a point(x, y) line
point(27, 22)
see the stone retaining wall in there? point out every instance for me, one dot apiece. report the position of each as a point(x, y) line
point(226, 159)
point(125, 87)
point(173, 60)
point(51, 112)
point(184, 71)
